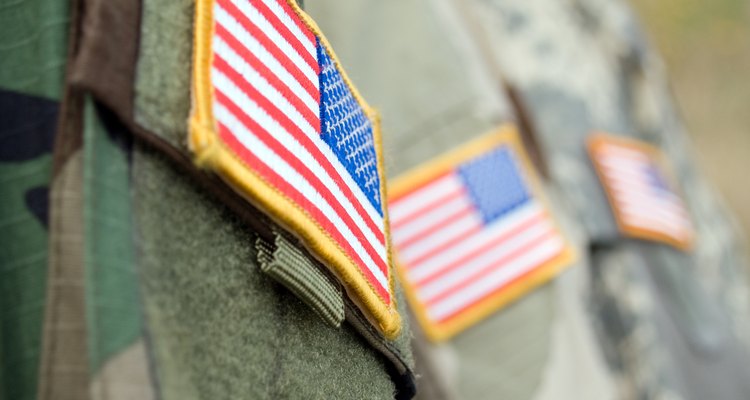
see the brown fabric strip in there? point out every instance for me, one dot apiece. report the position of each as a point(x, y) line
point(63, 366)
point(528, 130)
point(107, 50)
point(69, 119)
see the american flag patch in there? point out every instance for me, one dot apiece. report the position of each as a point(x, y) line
point(644, 200)
point(471, 233)
point(278, 119)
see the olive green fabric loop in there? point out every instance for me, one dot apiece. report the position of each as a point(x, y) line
point(289, 266)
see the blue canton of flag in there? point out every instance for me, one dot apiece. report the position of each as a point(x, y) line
point(347, 130)
point(495, 184)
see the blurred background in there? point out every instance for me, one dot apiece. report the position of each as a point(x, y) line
point(706, 47)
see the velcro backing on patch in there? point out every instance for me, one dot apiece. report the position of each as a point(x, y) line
point(276, 117)
point(472, 233)
point(643, 195)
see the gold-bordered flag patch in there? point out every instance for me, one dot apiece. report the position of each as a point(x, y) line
point(641, 191)
point(472, 232)
point(277, 118)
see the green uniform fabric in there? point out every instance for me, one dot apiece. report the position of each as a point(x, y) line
point(23, 264)
point(113, 306)
point(219, 327)
point(160, 291)
point(162, 87)
point(32, 52)
point(34, 37)
point(161, 106)
point(436, 90)
point(93, 321)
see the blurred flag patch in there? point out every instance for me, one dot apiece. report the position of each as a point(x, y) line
point(644, 200)
point(471, 234)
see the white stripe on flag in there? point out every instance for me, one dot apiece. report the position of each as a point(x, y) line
point(405, 207)
point(636, 174)
point(294, 178)
point(226, 20)
point(250, 107)
point(430, 218)
point(270, 31)
point(652, 206)
point(639, 190)
point(456, 229)
point(310, 132)
point(440, 260)
point(452, 278)
point(495, 280)
point(285, 19)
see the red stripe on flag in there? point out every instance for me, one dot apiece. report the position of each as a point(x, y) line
point(425, 208)
point(271, 47)
point(298, 21)
point(512, 282)
point(287, 34)
point(396, 199)
point(435, 227)
point(439, 249)
point(269, 76)
point(479, 251)
point(294, 195)
point(303, 139)
point(494, 266)
point(303, 170)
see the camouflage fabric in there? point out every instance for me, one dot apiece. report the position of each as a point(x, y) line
point(674, 324)
point(419, 64)
point(93, 345)
point(32, 54)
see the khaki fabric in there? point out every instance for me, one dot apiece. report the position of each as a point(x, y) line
point(674, 324)
point(64, 363)
point(419, 64)
point(414, 63)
